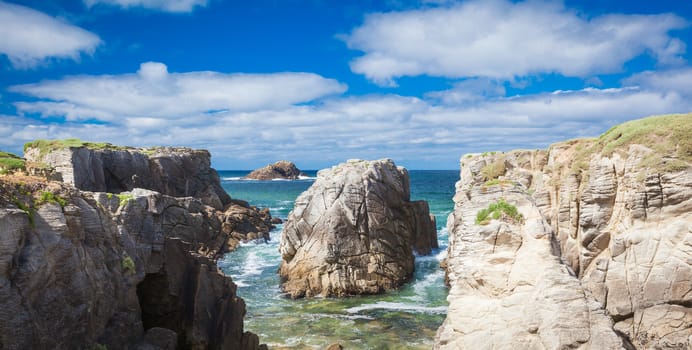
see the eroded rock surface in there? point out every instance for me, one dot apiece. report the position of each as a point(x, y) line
point(280, 170)
point(354, 231)
point(83, 269)
point(177, 172)
point(602, 259)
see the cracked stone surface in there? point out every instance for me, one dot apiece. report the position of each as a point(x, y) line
point(354, 231)
point(177, 172)
point(603, 258)
point(137, 273)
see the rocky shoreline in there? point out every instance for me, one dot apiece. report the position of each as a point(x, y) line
point(585, 245)
point(133, 268)
point(597, 257)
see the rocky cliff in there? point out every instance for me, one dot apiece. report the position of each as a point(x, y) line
point(177, 172)
point(132, 270)
point(280, 170)
point(585, 245)
point(354, 231)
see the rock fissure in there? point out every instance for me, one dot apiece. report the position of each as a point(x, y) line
point(630, 272)
point(370, 229)
point(83, 274)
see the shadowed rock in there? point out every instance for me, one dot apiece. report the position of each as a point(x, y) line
point(177, 172)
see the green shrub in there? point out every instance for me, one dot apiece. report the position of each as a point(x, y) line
point(496, 211)
point(494, 170)
point(50, 197)
point(124, 198)
point(128, 264)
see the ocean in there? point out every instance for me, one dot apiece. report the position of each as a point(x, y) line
point(403, 319)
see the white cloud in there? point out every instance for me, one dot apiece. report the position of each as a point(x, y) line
point(503, 40)
point(29, 37)
point(674, 80)
point(155, 93)
point(416, 133)
point(162, 5)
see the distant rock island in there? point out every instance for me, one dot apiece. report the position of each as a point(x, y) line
point(354, 231)
point(282, 169)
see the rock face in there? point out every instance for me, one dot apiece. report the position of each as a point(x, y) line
point(602, 258)
point(280, 170)
point(177, 172)
point(354, 231)
point(98, 269)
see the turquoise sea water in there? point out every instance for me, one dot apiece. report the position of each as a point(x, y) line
point(404, 319)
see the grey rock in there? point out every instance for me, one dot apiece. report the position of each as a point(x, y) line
point(603, 252)
point(123, 275)
point(354, 231)
point(178, 172)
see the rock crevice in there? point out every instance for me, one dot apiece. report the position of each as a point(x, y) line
point(601, 259)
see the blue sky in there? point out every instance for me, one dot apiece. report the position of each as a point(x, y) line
point(319, 82)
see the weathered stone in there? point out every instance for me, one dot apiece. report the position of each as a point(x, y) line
point(607, 237)
point(280, 170)
point(105, 270)
point(178, 172)
point(354, 231)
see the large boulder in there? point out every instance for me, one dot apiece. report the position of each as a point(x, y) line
point(354, 231)
point(175, 171)
point(280, 170)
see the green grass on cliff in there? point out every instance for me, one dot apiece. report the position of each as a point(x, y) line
point(669, 136)
point(496, 211)
point(10, 162)
point(664, 134)
point(46, 146)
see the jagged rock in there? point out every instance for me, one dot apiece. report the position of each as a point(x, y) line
point(178, 172)
point(96, 269)
point(508, 290)
point(280, 170)
point(605, 250)
point(354, 231)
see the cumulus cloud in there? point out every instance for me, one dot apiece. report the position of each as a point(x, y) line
point(29, 37)
point(502, 40)
point(161, 5)
point(155, 93)
point(674, 80)
point(419, 133)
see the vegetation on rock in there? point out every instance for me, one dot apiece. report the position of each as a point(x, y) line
point(10, 162)
point(128, 264)
point(50, 197)
point(124, 198)
point(494, 170)
point(496, 211)
point(45, 146)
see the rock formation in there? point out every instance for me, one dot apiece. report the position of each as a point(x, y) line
point(354, 231)
point(280, 170)
point(602, 257)
point(177, 172)
point(137, 270)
